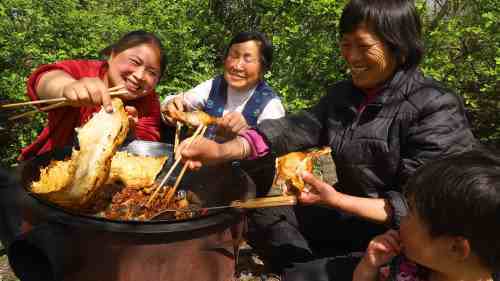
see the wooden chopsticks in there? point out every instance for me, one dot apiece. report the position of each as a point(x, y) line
point(42, 109)
point(19, 104)
point(178, 127)
point(57, 102)
point(199, 131)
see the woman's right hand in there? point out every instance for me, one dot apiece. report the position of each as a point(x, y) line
point(171, 111)
point(200, 151)
point(89, 91)
point(203, 151)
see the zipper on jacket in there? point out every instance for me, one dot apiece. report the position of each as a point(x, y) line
point(347, 134)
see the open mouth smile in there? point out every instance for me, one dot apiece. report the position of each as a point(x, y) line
point(358, 70)
point(237, 76)
point(132, 86)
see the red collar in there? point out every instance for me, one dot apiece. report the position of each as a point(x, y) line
point(370, 95)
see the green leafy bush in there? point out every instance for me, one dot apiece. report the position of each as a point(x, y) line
point(462, 41)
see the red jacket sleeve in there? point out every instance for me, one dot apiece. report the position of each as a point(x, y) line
point(148, 127)
point(76, 68)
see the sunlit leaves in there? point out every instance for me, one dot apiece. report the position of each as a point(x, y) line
point(463, 46)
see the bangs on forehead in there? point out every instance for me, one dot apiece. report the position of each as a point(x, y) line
point(395, 22)
point(353, 16)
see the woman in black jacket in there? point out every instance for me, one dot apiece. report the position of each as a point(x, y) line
point(382, 124)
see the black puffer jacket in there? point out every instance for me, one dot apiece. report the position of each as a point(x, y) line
point(413, 121)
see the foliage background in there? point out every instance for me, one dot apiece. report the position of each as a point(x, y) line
point(462, 40)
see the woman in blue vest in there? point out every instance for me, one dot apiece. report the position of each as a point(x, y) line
point(240, 95)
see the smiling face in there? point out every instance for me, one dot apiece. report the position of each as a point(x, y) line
point(138, 68)
point(369, 59)
point(242, 66)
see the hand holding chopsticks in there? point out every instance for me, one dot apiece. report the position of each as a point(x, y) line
point(112, 91)
point(54, 103)
point(199, 131)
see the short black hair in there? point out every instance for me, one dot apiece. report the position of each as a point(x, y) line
point(265, 46)
point(136, 38)
point(460, 196)
point(396, 22)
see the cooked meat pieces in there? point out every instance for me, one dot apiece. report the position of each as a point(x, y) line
point(135, 171)
point(99, 139)
point(130, 204)
point(289, 168)
point(196, 118)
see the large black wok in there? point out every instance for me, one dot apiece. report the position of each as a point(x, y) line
point(214, 186)
point(59, 244)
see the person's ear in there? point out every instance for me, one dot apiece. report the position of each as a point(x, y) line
point(460, 248)
point(111, 56)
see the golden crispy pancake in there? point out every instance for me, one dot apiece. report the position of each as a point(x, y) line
point(135, 171)
point(99, 139)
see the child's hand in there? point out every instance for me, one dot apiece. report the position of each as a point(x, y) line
point(380, 251)
point(383, 248)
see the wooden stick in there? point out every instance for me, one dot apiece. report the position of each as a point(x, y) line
point(110, 90)
point(178, 127)
point(259, 202)
point(164, 180)
point(57, 105)
point(177, 181)
point(42, 109)
point(181, 174)
point(264, 202)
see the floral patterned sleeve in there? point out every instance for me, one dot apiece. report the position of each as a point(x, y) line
point(402, 269)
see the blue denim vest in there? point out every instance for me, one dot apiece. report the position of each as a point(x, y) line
point(253, 108)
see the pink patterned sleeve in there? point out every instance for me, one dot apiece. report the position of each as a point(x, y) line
point(258, 146)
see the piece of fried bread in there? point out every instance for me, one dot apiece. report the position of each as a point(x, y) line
point(98, 139)
point(135, 171)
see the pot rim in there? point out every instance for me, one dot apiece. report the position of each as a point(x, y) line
point(54, 213)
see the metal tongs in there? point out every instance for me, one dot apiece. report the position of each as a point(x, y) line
point(262, 202)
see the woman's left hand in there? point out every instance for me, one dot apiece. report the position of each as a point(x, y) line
point(133, 118)
point(319, 192)
point(232, 124)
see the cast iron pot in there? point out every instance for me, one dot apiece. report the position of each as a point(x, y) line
point(57, 244)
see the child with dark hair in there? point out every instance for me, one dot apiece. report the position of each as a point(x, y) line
point(452, 228)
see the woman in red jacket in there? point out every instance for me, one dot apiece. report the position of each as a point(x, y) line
point(136, 61)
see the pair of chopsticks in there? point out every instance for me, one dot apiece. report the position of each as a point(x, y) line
point(55, 103)
point(200, 131)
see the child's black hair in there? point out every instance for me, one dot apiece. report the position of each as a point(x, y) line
point(460, 196)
